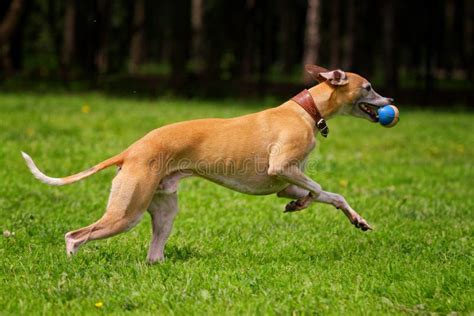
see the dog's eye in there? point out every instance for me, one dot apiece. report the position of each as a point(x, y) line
point(368, 88)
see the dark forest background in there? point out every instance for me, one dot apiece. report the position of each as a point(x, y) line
point(418, 51)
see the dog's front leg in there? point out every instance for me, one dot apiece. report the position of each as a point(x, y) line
point(304, 197)
point(293, 192)
point(339, 202)
point(293, 175)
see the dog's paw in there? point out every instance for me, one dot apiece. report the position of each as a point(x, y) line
point(294, 206)
point(72, 245)
point(361, 223)
point(155, 260)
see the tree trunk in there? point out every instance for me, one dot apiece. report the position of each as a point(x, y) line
point(429, 39)
point(449, 39)
point(10, 21)
point(250, 41)
point(138, 36)
point(335, 36)
point(52, 16)
point(468, 35)
point(16, 43)
point(265, 43)
point(180, 41)
point(8, 27)
point(102, 57)
point(197, 35)
point(349, 40)
point(69, 37)
point(311, 43)
point(389, 51)
point(287, 35)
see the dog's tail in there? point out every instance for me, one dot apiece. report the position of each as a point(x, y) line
point(116, 160)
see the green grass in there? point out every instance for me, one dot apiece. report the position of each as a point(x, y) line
point(231, 253)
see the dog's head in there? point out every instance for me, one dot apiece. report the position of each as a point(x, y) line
point(351, 95)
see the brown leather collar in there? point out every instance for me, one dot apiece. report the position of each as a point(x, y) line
point(306, 101)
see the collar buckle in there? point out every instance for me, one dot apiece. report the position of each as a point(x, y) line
point(323, 127)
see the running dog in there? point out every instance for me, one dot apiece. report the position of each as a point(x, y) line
point(261, 153)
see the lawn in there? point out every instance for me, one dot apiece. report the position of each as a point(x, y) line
point(231, 253)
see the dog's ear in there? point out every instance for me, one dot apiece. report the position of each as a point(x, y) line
point(334, 77)
point(314, 71)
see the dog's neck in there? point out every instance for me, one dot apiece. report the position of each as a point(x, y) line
point(321, 94)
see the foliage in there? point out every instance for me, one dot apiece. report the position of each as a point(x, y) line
point(247, 40)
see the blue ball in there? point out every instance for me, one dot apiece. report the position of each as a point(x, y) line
point(388, 115)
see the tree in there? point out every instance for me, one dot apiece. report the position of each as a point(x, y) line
point(8, 27)
point(250, 39)
point(138, 36)
point(180, 13)
point(53, 12)
point(265, 41)
point(389, 51)
point(197, 35)
point(449, 48)
point(10, 21)
point(288, 27)
point(69, 37)
point(428, 50)
point(102, 57)
point(468, 35)
point(334, 35)
point(311, 41)
point(349, 39)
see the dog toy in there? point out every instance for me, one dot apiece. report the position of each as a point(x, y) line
point(388, 115)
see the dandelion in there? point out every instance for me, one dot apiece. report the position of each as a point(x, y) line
point(343, 183)
point(85, 108)
point(30, 132)
point(205, 294)
point(7, 233)
point(99, 304)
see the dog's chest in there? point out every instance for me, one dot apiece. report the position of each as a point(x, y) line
point(257, 184)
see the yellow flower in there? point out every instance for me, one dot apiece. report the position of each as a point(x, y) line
point(85, 108)
point(99, 304)
point(460, 149)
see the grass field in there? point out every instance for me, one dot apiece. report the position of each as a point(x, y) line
point(231, 253)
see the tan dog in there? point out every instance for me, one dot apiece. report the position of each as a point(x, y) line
point(260, 153)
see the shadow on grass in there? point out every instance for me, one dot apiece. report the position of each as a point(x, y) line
point(183, 253)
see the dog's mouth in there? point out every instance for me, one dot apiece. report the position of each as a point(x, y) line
point(369, 110)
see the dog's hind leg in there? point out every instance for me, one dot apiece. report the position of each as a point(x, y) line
point(131, 193)
point(163, 210)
